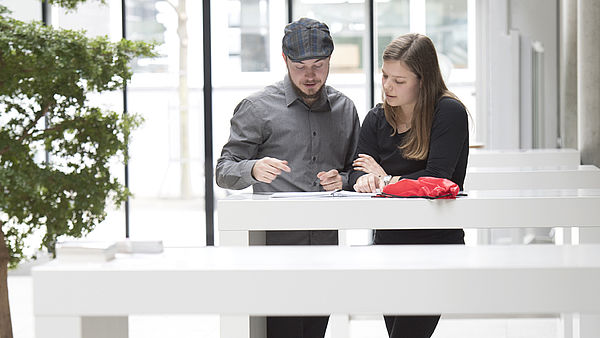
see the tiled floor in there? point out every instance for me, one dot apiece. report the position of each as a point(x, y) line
point(21, 299)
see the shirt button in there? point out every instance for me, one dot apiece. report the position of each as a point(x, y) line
point(314, 133)
point(314, 158)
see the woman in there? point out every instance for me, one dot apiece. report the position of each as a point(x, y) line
point(421, 129)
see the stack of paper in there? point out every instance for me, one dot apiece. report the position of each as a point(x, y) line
point(313, 194)
point(84, 251)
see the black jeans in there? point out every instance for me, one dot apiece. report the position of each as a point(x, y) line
point(299, 327)
point(415, 326)
point(296, 327)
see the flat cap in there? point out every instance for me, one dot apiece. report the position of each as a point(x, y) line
point(307, 39)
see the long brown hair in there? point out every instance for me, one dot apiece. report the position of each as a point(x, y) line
point(419, 55)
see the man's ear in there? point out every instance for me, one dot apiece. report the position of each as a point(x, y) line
point(284, 58)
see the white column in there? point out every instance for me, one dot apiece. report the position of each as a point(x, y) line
point(588, 108)
point(588, 80)
point(568, 74)
point(588, 98)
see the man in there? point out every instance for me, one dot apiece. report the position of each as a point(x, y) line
point(296, 135)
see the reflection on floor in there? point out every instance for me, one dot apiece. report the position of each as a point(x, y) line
point(21, 301)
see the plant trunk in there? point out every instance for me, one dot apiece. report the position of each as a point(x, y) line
point(186, 189)
point(5, 323)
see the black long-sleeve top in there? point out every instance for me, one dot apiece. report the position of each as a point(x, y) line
point(448, 153)
point(448, 147)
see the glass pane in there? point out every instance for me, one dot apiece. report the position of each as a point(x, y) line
point(447, 28)
point(166, 169)
point(24, 10)
point(246, 57)
point(392, 20)
point(248, 32)
point(346, 21)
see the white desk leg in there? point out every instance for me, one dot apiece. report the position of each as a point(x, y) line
point(57, 327)
point(343, 238)
point(339, 325)
point(484, 236)
point(589, 326)
point(242, 326)
point(589, 235)
point(234, 238)
point(81, 327)
point(566, 325)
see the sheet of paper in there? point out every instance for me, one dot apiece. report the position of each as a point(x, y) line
point(309, 194)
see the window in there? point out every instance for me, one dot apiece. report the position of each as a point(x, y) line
point(451, 26)
point(248, 33)
point(24, 10)
point(166, 168)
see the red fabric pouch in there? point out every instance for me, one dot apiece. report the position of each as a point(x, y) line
point(423, 187)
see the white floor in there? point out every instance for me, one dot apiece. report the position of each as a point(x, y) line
point(21, 301)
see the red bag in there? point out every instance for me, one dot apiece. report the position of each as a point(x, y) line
point(423, 187)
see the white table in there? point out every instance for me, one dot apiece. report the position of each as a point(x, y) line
point(243, 218)
point(241, 214)
point(523, 157)
point(450, 279)
point(541, 177)
point(545, 177)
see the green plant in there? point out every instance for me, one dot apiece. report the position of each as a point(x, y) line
point(46, 75)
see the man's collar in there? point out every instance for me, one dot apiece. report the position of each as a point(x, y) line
point(322, 104)
point(290, 93)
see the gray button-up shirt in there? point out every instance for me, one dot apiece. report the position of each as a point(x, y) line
point(276, 122)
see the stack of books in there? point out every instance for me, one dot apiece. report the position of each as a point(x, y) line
point(85, 251)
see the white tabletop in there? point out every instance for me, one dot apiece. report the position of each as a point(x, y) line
point(523, 157)
point(480, 209)
point(531, 177)
point(534, 169)
point(327, 279)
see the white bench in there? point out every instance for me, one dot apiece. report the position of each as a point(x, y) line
point(524, 157)
point(71, 299)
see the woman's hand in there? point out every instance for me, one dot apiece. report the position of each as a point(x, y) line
point(368, 164)
point(368, 183)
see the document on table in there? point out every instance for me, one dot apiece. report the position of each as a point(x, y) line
point(306, 194)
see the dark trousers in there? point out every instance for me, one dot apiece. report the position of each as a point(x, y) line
point(415, 326)
point(299, 327)
point(296, 327)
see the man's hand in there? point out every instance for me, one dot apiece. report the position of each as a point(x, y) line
point(368, 164)
point(368, 183)
point(330, 180)
point(267, 169)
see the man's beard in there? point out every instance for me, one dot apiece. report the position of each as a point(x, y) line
point(303, 95)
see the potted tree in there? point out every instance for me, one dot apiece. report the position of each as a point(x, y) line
point(45, 77)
